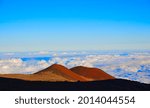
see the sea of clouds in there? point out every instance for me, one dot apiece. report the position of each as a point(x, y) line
point(133, 65)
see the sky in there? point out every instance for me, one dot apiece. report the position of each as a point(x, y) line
point(38, 25)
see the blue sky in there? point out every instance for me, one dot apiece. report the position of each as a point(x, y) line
point(34, 25)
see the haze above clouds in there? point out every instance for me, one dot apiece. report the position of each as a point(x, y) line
point(133, 65)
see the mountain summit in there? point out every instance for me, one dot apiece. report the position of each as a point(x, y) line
point(61, 71)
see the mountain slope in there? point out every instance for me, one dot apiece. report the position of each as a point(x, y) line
point(62, 71)
point(53, 73)
point(8, 84)
point(93, 73)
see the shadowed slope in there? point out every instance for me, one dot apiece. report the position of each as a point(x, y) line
point(8, 84)
point(93, 73)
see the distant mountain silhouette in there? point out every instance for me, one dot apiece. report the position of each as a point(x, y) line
point(92, 73)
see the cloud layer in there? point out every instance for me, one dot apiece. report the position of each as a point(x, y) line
point(131, 65)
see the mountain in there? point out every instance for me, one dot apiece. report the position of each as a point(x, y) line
point(92, 73)
point(53, 73)
point(61, 71)
point(58, 72)
point(60, 78)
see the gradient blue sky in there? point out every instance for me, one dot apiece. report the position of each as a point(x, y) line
point(34, 25)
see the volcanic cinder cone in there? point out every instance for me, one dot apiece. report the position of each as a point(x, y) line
point(53, 73)
point(58, 72)
point(61, 71)
point(92, 73)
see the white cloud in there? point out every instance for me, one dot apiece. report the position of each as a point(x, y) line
point(134, 66)
point(18, 66)
point(43, 52)
point(9, 54)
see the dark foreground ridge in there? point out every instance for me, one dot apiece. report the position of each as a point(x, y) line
point(8, 84)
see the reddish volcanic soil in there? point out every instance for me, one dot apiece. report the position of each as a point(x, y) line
point(60, 73)
point(93, 73)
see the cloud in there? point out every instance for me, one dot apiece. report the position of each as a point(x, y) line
point(131, 65)
point(18, 66)
point(9, 54)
